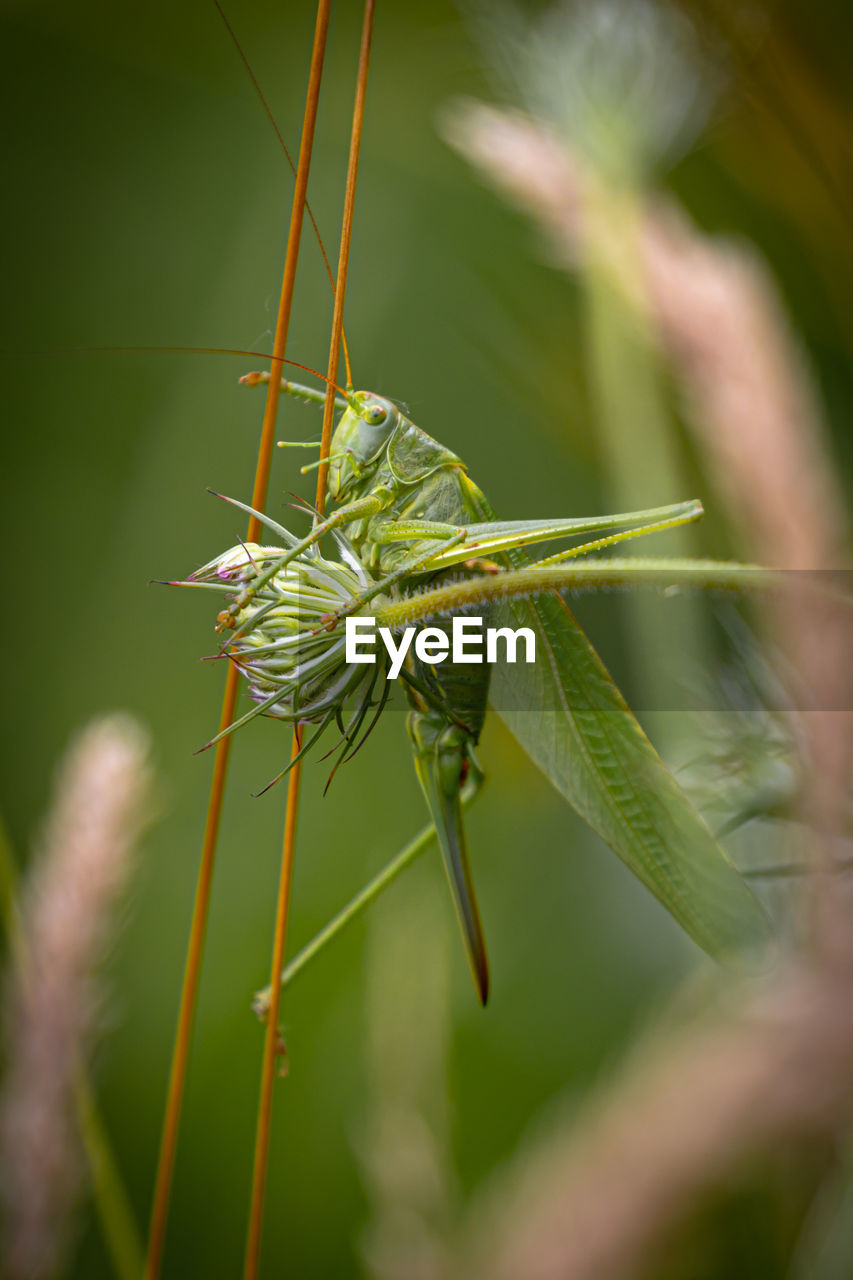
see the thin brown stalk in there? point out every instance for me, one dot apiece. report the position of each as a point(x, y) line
point(272, 1044)
point(271, 1037)
point(343, 257)
point(281, 142)
point(192, 971)
point(189, 991)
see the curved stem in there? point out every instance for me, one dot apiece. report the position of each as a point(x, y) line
point(353, 909)
point(665, 573)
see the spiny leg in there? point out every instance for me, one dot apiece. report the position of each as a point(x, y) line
point(417, 564)
point(492, 537)
point(599, 544)
point(386, 532)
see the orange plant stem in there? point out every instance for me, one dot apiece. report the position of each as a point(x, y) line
point(271, 1036)
point(195, 948)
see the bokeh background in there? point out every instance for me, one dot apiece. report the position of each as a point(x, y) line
point(146, 204)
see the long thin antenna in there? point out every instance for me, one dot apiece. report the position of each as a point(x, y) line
point(343, 257)
point(271, 1036)
point(268, 111)
point(250, 379)
point(195, 950)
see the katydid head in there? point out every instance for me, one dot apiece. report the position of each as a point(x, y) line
point(361, 437)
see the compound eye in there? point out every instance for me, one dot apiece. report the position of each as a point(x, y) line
point(375, 413)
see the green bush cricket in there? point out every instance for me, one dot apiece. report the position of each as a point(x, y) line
point(414, 517)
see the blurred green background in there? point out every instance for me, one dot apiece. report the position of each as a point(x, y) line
point(146, 203)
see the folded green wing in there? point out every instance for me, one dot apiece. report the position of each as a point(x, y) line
point(574, 724)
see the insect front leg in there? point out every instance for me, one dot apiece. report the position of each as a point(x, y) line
point(415, 564)
point(357, 510)
point(387, 532)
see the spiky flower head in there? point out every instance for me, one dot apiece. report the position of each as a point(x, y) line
point(288, 639)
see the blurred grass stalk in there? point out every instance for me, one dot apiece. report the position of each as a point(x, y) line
point(404, 1143)
point(774, 1065)
point(59, 929)
point(618, 87)
point(635, 432)
point(615, 89)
